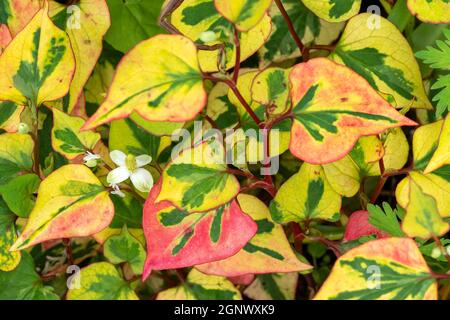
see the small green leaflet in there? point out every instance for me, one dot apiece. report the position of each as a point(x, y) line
point(386, 218)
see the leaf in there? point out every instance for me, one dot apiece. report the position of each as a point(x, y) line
point(268, 251)
point(85, 23)
point(8, 260)
point(244, 14)
point(127, 211)
point(197, 179)
point(385, 269)
point(10, 116)
point(346, 175)
point(157, 128)
point(141, 16)
point(194, 17)
point(281, 46)
point(435, 185)
point(422, 216)
point(358, 226)
point(385, 219)
point(17, 13)
point(129, 138)
point(15, 155)
point(177, 239)
point(334, 10)
point(23, 283)
point(270, 87)
point(199, 286)
point(220, 108)
point(125, 248)
point(101, 281)
point(38, 64)
point(425, 143)
point(71, 203)
point(5, 37)
point(396, 149)
point(159, 79)
point(18, 193)
point(331, 116)
point(441, 156)
point(306, 195)
point(384, 58)
point(437, 58)
point(67, 138)
point(430, 11)
point(277, 286)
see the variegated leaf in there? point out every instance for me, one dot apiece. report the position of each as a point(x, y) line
point(166, 86)
point(385, 269)
point(268, 251)
point(244, 14)
point(177, 239)
point(199, 286)
point(381, 55)
point(333, 107)
point(306, 195)
point(38, 64)
point(334, 10)
point(430, 11)
point(71, 203)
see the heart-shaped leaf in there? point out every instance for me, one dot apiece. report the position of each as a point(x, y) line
point(386, 269)
point(268, 251)
point(197, 179)
point(306, 195)
point(71, 202)
point(38, 64)
point(177, 239)
point(374, 48)
point(159, 79)
point(333, 107)
point(67, 138)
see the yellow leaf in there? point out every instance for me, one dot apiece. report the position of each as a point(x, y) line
point(422, 217)
point(430, 11)
point(385, 269)
point(381, 55)
point(268, 251)
point(71, 203)
point(244, 14)
point(442, 154)
point(333, 108)
point(159, 79)
point(306, 195)
point(334, 10)
point(38, 64)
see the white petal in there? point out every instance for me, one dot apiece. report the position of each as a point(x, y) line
point(142, 180)
point(118, 157)
point(143, 160)
point(118, 175)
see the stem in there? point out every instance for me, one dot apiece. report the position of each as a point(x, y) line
point(237, 63)
point(380, 183)
point(69, 252)
point(328, 48)
point(304, 50)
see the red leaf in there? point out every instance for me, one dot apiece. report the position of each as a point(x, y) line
point(358, 226)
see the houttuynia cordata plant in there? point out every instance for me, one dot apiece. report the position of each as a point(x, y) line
point(224, 149)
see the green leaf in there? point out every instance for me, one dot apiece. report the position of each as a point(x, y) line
point(15, 155)
point(385, 219)
point(101, 281)
point(23, 283)
point(132, 21)
point(19, 192)
point(125, 248)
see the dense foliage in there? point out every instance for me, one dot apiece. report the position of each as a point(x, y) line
point(216, 149)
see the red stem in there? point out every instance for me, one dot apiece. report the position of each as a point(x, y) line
point(237, 63)
point(303, 49)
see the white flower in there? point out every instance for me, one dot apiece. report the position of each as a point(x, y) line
point(130, 166)
point(90, 159)
point(436, 253)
